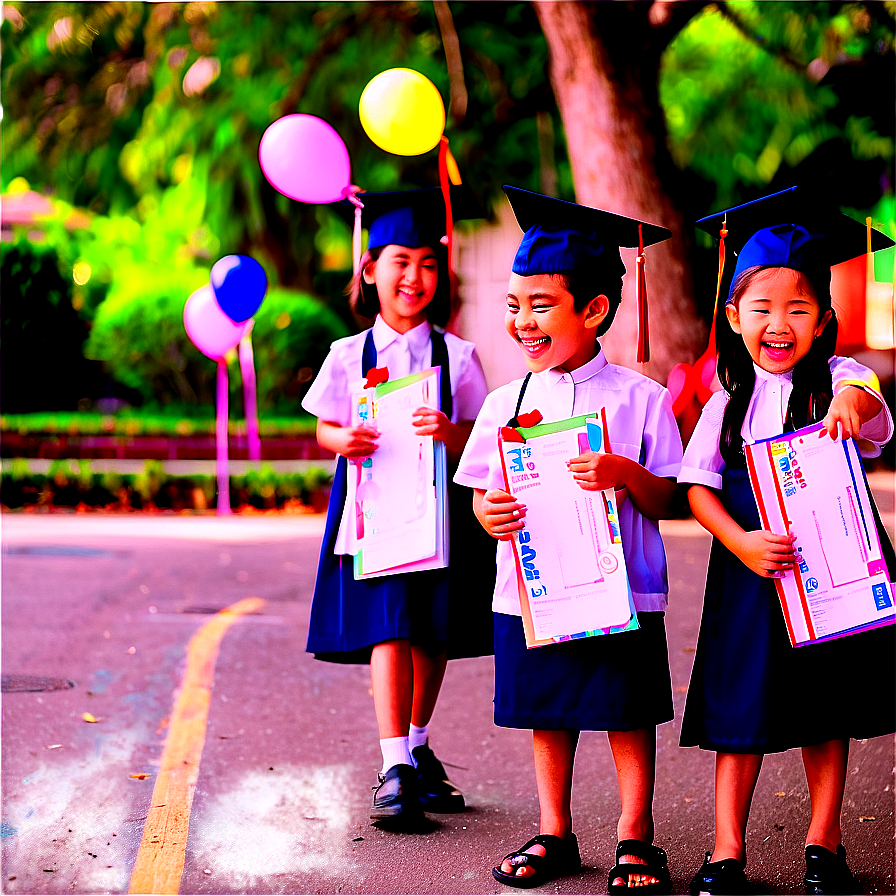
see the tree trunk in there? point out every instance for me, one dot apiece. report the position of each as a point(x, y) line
point(604, 67)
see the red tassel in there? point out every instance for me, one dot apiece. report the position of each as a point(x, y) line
point(641, 295)
point(445, 184)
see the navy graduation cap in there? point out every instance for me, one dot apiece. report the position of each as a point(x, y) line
point(411, 218)
point(791, 229)
point(561, 237)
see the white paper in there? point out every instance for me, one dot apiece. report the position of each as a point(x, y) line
point(814, 487)
point(570, 550)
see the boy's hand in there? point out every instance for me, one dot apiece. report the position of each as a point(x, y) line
point(767, 554)
point(357, 441)
point(595, 472)
point(500, 513)
point(850, 408)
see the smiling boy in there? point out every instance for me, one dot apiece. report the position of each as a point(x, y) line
point(564, 290)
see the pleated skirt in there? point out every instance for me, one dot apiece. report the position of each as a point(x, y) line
point(750, 691)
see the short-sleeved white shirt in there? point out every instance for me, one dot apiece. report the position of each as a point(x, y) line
point(640, 426)
point(329, 397)
point(766, 413)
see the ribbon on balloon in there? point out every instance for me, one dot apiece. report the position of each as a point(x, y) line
point(402, 112)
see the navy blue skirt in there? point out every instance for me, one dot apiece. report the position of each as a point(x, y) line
point(349, 617)
point(750, 691)
point(616, 682)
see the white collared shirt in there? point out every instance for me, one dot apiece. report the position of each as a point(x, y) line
point(766, 413)
point(640, 426)
point(329, 397)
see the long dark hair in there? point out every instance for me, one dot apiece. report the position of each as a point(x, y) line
point(364, 300)
point(812, 387)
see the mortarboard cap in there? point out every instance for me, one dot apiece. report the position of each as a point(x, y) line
point(792, 229)
point(411, 218)
point(563, 236)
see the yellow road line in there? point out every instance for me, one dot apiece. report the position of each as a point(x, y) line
point(160, 859)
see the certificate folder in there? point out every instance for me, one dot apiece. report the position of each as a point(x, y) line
point(396, 505)
point(570, 563)
point(813, 487)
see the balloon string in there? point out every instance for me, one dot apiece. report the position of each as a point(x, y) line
point(351, 193)
point(247, 368)
point(221, 459)
point(446, 196)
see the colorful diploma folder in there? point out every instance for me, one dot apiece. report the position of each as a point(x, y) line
point(570, 565)
point(814, 487)
point(396, 507)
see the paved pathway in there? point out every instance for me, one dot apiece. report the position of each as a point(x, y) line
point(113, 605)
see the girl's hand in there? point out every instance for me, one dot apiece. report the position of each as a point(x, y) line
point(357, 441)
point(767, 554)
point(595, 472)
point(500, 513)
point(850, 408)
point(349, 441)
point(430, 422)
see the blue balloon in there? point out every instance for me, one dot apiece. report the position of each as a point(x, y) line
point(239, 284)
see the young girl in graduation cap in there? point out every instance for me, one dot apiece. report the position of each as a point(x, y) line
point(564, 291)
point(401, 624)
point(751, 693)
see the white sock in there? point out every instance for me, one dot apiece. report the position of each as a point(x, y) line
point(395, 752)
point(417, 737)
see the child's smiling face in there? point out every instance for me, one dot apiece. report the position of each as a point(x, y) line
point(542, 320)
point(406, 281)
point(778, 317)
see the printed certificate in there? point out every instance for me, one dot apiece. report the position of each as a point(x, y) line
point(808, 484)
point(571, 568)
point(396, 497)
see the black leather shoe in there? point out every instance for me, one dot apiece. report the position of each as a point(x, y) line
point(827, 872)
point(437, 793)
point(726, 876)
point(396, 800)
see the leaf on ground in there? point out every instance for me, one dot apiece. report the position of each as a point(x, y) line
point(780, 793)
point(140, 776)
point(88, 717)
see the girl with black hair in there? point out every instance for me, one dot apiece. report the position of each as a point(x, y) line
point(401, 624)
point(751, 693)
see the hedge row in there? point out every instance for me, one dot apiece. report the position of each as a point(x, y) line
point(137, 424)
point(75, 485)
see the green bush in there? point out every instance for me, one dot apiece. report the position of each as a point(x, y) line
point(290, 340)
point(139, 334)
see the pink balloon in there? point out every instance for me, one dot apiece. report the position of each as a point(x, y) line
point(305, 159)
point(209, 328)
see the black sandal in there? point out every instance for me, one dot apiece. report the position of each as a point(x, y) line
point(725, 876)
point(560, 859)
point(827, 872)
point(656, 866)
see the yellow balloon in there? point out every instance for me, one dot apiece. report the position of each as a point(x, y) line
point(402, 112)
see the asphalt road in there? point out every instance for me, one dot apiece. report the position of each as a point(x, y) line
point(99, 612)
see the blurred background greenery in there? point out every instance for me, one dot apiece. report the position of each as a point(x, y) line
point(140, 124)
